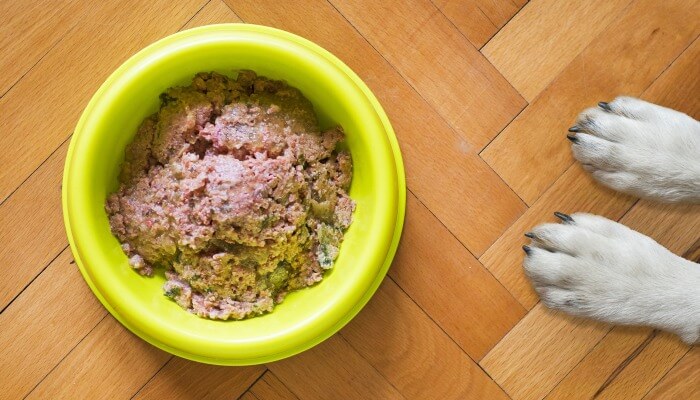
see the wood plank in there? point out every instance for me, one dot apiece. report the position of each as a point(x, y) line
point(405, 346)
point(679, 85)
point(471, 21)
point(185, 379)
point(478, 20)
point(90, 52)
point(531, 153)
point(539, 351)
point(575, 191)
point(29, 30)
point(248, 396)
point(682, 382)
point(429, 147)
point(539, 42)
point(662, 353)
point(500, 11)
point(271, 387)
point(624, 365)
point(43, 324)
point(215, 12)
point(109, 363)
point(446, 281)
point(333, 370)
point(452, 76)
point(31, 224)
point(601, 363)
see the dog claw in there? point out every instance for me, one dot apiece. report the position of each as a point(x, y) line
point(527, 249)
point(563, 217)
point(530, 235)
point(605, 106)
point(573, 138)
point(575, 129)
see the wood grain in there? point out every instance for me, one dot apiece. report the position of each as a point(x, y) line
point(447, 71)
point(471, 21)
point(451, 285)
point(428, 145)
point(624, 365)
point(683, 381)
point(408, 356)
point(109, 362)
point(31, 224)
point(679, 85)
point(215, 12)
point(184, 379)
point(333, 370)
point(529, 51)
point(478, 20)
point(29, 30)
point(645, 370)
point(50, 100)
point(248, 396)
point(43, 324)
point(532, 151)
point(270, 387)
point(539, 351)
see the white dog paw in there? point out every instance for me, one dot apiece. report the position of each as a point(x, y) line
point(640, 148)
point(594, 267)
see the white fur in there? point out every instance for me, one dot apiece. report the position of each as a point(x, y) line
point(595, 267)
point(642, 149)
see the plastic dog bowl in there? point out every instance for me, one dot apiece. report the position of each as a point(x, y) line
point(306, 317)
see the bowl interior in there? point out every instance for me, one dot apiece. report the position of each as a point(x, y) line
point(109, 124)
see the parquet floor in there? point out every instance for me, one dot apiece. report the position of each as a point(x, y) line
point(480, 93)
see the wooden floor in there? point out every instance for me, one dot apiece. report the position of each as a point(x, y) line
point(480, 93)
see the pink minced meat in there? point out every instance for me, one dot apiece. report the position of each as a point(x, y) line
point(232, 188)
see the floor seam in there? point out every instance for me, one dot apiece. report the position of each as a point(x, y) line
point(48, 264)
point(67, 354)
point(152, 377)
point(342, 337)
point(452, 129)
point(265, 371)
point(40, 59)
point(34, 171)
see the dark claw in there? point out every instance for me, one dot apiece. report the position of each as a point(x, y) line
point(527, 249)
point(563, 217)
point(530, 235)
point(573, 138)
point(575, 129)
point(605, 106)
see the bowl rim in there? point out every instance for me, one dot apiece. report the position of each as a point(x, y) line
point(152, 51)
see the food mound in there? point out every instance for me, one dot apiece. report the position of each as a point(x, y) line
point(232, 188)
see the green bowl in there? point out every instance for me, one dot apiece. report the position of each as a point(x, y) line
point(306, 317)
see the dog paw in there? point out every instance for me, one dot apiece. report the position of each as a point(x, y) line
point(640, 148)
point(593, 267)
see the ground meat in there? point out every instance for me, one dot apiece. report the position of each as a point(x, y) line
point(233, 189)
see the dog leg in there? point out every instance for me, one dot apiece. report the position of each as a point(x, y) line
point(593, 267)
point(640, 148)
